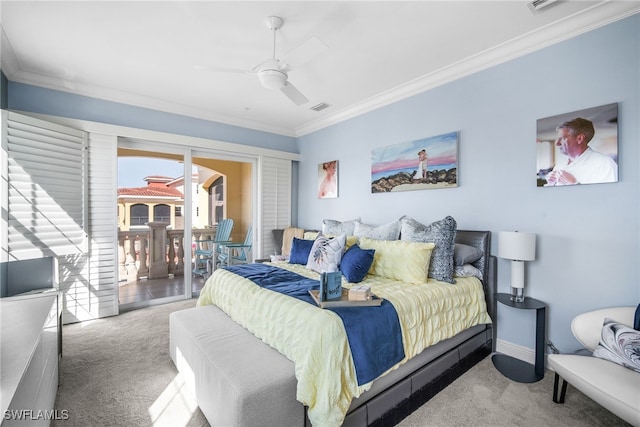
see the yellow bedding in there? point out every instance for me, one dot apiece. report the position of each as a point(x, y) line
point(315, 340)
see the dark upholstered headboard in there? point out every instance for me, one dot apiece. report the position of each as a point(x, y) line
point(487, 264)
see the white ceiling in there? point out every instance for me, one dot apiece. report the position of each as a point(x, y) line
point(353, 55)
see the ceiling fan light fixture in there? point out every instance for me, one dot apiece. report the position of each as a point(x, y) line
point(272, 79)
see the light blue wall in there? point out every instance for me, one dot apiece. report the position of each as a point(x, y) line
point(587, 254)
point(588, 236)
point(4, 84)
point(35, 99)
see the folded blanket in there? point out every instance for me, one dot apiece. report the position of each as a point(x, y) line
point(287, 238)
point(619, 344)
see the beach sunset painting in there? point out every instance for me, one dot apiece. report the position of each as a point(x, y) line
point(416, 165)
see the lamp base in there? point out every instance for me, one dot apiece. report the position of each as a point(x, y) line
point(517, 294)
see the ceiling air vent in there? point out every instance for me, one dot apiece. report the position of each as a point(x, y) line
point(535, 5)
point(320, 107)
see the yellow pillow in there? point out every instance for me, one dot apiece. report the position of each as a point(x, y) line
point(310, 235)
point(399, 259)
point(351, 240)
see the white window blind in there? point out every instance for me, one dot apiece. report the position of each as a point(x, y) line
point(275, 200)
point(46, 188)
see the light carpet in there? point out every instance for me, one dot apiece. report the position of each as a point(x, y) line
point(117, 372)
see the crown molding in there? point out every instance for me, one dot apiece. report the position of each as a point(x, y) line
point(11, 68)
point(14, 73)
point(600, 14)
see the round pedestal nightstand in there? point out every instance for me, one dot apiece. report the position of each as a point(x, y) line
point(517, 369)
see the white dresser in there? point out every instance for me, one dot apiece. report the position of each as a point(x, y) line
point(31, 339)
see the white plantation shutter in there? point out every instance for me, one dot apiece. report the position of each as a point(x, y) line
point(46, 189)
point(51, 171)
point(100, 298)
point(275, 200)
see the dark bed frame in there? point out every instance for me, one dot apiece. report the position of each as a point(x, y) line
point(445, 362)
point(403, 391)
point(391, 398)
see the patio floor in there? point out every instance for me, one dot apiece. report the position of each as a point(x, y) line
point(145, 289)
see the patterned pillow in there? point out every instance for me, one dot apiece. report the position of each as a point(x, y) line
point(399, 260)
point(389, 231)
point(351, 240)
point(326, 253)
point(331, 226)
point(467, 270)
point(443, 234)
point(619, 344)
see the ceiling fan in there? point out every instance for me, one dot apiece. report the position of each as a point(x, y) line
point(272, 73)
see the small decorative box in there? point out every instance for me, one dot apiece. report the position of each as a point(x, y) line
point(360, 293)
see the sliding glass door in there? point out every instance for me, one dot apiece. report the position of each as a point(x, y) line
point(154, 183)
point(170, 199)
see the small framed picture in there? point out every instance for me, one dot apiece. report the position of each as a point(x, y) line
point(328, 180)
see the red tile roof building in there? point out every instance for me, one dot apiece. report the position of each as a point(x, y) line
point(159, 200)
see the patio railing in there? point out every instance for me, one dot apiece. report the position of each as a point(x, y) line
point(136, 254)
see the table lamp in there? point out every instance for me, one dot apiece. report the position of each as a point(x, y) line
point(518, 247)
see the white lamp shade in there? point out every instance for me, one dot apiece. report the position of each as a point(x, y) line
point(517, 245)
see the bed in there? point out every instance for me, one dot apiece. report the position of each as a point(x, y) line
point(315, 374)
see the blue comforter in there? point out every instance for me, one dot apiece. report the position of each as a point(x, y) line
point(374, 333)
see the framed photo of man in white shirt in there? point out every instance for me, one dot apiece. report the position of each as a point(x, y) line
point(580, 147)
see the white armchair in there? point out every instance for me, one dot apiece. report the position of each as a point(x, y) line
point(613, 386)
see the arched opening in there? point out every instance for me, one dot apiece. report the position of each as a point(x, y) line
point(138, 215)
point(162, 213)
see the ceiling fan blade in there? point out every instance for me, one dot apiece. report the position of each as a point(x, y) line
point(294, 94)
point(305, 52)
point(221, 69)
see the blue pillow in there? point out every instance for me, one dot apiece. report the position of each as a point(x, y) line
point(355, 263)
point(636, 319)
point(300, 250)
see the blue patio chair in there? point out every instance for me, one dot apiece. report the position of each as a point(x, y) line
point(204, 257)
point(236, 253)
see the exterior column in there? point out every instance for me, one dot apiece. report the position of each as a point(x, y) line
point(158, 268)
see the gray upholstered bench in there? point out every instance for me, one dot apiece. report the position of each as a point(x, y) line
point(236, 382)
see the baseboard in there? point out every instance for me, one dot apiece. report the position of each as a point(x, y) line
point(519, 352)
